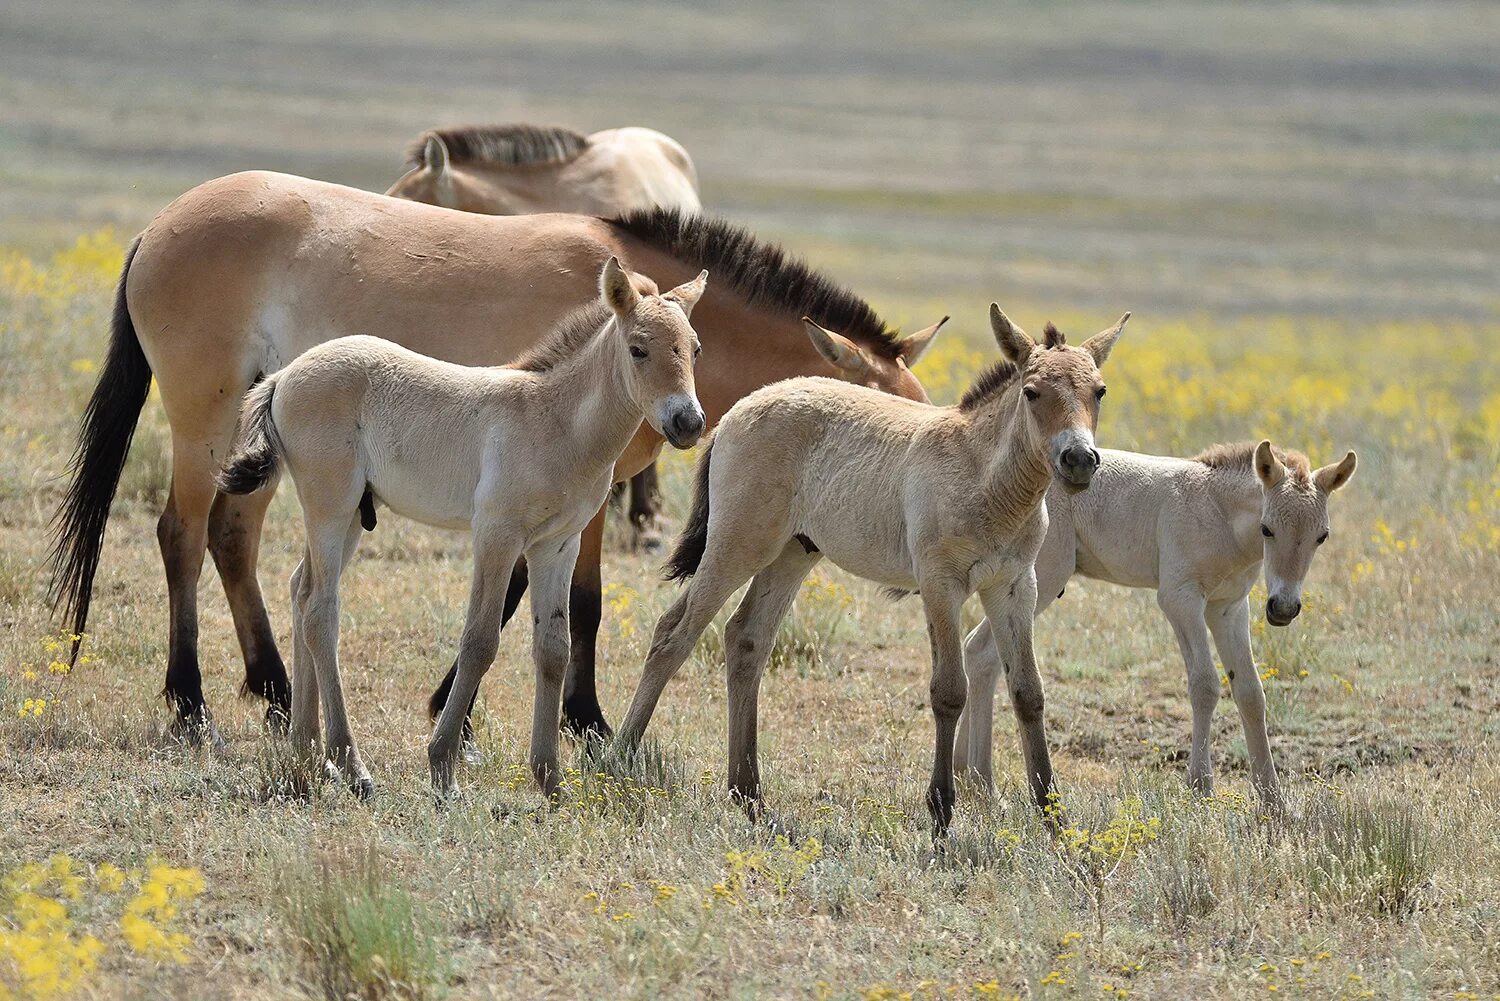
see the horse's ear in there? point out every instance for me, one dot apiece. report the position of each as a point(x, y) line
point(1334, 475)
point(1268, 468)
point(687, 294)
point(617, 289)
point(435, 154)
point(1014, 342)
point(839, 351)
point(1102, 343)
point(911, 348)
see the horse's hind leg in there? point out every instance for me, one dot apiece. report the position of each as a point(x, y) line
point(234, 528)
point(329, 548)
point(182, 533)
point(748, 639)
point(645, 507)
point(678, 630)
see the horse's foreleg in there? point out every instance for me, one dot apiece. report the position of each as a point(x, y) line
point(234, 528)
point(581, 714)
point(182, 533)
point(514, 591)
point(1185, 606)
point(495, 556)
point(551, 572)
point(748, 639)
point(1229, 621)
point(1012, 610)
point(943, 603)
point(973, 747)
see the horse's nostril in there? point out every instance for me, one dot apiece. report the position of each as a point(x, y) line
point(687, 424)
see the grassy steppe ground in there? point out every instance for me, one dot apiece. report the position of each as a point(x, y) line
point(1297, 200)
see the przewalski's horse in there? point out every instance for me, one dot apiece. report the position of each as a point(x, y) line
point(943, 500)
point(522, 455)
point(519, 169)
point(242, 274)
point(1197, 530)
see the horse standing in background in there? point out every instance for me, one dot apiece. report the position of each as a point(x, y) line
point(521, 169)
point(242, 274)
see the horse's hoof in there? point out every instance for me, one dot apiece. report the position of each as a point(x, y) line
point(586, 723)
point(196, 733)
point(278, 720)
point(363, 789)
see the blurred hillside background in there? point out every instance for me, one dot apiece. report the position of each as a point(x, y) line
point(1172, 158)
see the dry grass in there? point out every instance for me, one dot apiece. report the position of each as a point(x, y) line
point(1274, 296)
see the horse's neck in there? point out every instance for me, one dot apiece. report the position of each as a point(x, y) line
point(1017, 475)
point(521, 190)
point(1237, 495)
point(590, 389)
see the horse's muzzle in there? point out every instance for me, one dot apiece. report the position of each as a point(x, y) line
point(1076, 466)
point(683, 427)
point(1280, 612)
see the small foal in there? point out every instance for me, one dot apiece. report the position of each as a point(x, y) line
point(522, 455)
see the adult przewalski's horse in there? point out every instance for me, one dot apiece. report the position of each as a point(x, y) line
point(521, 455)
point(242, 274)
point(520, 169)
point(943, 500)
point(1198, 531)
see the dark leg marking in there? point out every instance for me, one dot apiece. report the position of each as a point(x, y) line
point(367, 510)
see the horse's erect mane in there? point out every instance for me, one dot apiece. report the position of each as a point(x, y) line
point(990, 383)
point(503, 145)
point(564, 341)
point(762, 273)
point(1241, 456)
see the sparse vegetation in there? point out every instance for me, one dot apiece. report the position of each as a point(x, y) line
point(1292, 197)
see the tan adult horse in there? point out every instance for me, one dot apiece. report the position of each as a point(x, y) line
point(942, 500)
point(242, 274)
point(521, 455)
point(520, 169)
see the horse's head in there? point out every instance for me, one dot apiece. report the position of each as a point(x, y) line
point(657, 350)
point(869, 368)
point(1293, 522)
point(1060, 393)
point(434, 181)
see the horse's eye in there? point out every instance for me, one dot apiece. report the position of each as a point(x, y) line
point(1031, 394)
point(1267, 532)
point(1099, 393)
point(697, 350)
point(1322, 538)
point(637, 353)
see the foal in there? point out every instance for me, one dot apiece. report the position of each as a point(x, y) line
point(1198, 531)
point(945, 500)
point(522, 455)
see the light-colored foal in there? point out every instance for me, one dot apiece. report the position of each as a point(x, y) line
point(1198, 531)
point(521, 455)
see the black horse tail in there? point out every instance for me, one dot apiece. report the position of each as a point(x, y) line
point(688, 552)
point(256, 458)
point(104, 437)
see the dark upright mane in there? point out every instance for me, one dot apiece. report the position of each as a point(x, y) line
point(571, 333)
point(991, 382)
point(763, 273)
point(1241, 456)
point(506, 145)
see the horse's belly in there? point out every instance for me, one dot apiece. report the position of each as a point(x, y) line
point(442, 505)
